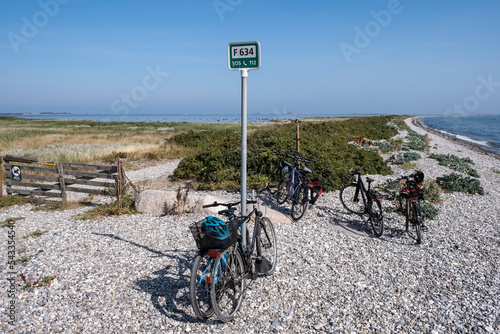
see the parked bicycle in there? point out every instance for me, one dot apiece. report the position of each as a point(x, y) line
point(280, 172)
point(357, 199)
point(297, 187)
point(199, 289)
point(409, 202)
point(224, 278)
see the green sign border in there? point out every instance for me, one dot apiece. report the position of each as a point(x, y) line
point(243, 67)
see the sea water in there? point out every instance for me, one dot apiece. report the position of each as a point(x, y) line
point(194, 118)
point(482, 131)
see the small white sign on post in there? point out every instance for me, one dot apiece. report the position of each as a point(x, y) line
point(243, 55)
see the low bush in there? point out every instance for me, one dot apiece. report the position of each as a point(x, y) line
point(216, 163)
point(386, 147)
point(456, 182)
point(459, 164)
point(404, 157)
point(416, 141)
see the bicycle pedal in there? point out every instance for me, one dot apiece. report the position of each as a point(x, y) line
point(424, 228)
point(263, 266)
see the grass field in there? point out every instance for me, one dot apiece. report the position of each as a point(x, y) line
point(92, 141)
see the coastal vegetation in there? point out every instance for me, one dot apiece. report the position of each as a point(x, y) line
point(215, 163)
point(456, 182)
point(459, 164)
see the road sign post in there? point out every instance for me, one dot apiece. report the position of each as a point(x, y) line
point(243, 57)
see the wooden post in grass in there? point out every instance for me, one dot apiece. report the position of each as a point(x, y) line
point(119, 182)
point(1, 176)
point(62, 185)
point(298, 135)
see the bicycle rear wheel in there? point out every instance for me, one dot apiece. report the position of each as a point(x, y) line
point(300, 202)
point(351, 198)
point(417, 221)
point(376, 217)
point(267, 247)
point(228, 284)
point(199, 288)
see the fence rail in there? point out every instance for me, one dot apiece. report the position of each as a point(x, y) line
point(31, 177)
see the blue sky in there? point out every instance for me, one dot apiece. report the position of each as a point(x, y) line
point(321, 57)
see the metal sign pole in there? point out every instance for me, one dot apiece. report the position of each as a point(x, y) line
point(244, 77)
point(243, 56)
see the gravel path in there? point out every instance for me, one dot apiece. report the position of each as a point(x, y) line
point(131, 273)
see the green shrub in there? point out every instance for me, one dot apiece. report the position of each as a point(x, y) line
point(416, 141)
point(456, 182)
point(428, 210)
point(459, 164)
point(386, 147)
point(404, 157)
point(216, 163)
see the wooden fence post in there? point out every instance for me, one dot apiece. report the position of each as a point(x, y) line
point(62, 185)
point(119, 181)
point(1, 176)
point(298, 135)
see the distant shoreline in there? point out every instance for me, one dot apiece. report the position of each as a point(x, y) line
point(416, 121)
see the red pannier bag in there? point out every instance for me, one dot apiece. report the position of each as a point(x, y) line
point(315, 191)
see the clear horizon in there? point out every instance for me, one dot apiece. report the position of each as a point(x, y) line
point(161, 57)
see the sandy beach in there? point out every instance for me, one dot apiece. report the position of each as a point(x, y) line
point(131, 273)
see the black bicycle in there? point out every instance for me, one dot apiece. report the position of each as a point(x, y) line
point(296, 187)
point(357, 199)
point(240, 261)
point(280, 171)
point(409, 203)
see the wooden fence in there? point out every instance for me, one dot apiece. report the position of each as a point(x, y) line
point(31, 177)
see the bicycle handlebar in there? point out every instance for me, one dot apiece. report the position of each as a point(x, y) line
point(228, 205)
point(357, 171)
point(297, 157)
point(408, 177)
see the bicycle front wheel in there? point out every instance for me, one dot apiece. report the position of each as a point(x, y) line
point(282, 191)
point(300, 202)
point(199, 288)
point(351, 198)
point(376, 217)
point(266, 247)
point(228, 284)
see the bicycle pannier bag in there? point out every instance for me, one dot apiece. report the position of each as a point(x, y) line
point(316, 190)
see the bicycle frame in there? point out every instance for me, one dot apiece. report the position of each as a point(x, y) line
point(245, 248)
point(364, 192)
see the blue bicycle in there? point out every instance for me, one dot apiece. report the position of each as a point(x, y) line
point(296, 187)
point(201, 272)
point(218, 275)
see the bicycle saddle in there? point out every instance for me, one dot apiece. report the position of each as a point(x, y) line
point(306, 170)
point(369, 179)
